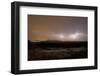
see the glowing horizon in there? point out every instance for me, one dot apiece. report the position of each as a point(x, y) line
point(43, 28)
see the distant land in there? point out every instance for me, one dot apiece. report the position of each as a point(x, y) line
point(56, 43)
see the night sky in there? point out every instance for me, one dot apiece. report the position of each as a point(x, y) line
point(62, 28)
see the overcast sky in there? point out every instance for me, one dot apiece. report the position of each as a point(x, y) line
point(63, 28)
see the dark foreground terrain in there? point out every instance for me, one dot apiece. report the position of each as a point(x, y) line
point(50, 50)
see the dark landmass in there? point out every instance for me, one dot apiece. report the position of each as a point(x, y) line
point(51, 50)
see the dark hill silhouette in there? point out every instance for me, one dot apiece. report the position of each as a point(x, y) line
point(53, 43)
point(53, 49)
